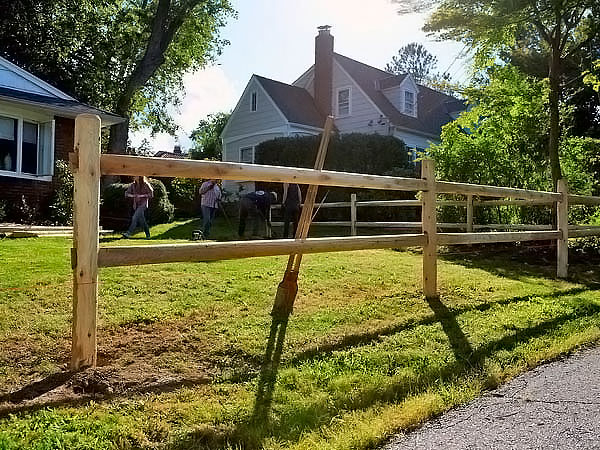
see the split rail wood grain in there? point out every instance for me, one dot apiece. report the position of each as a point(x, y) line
point(87, 256)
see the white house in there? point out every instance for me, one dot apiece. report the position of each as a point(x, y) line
point(363, 99)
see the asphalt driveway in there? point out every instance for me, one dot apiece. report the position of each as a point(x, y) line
point(555, 406)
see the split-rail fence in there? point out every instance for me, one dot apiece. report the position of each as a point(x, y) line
point(89, 164)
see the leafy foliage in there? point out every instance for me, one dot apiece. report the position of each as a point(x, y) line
point(415, 59)
point(562, 28)
point(183, 193)
point(128, 57)
point(207, 137)
point(61, 204)
point(499, 140)
point(354, 152)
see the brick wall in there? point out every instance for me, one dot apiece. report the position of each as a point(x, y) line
point(37, 193)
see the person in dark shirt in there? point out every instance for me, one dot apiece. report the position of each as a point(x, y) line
point(290, 203)
point(256, 205)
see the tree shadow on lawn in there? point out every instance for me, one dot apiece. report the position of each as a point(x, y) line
point(251, 432)
point(521, 263)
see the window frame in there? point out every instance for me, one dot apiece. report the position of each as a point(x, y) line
point(246, 147)
point(412, 113)
point(253, 101)
point(337, 101)
point(38, 120)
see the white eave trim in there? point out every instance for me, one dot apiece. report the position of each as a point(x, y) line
point(306, 127)
point(281, 129)
point(107, 120)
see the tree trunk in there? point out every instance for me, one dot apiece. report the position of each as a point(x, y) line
point(119, 135)
point(163, 31)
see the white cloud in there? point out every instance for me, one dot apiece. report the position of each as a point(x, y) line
point(206, 91)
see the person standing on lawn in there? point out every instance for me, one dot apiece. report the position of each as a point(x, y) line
point(290, 202)
point(141, 192)
point(211, 196)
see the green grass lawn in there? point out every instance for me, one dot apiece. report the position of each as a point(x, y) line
point(196, 361)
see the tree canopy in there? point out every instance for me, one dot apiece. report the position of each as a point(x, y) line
point(128, 57)
point(207, 137)
point(560, 27)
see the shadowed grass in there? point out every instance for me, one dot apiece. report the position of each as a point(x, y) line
point(362, 356)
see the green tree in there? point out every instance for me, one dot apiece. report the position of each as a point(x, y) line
point(128, 56)
point(500, 139)
point(415, 59)
point(207, 137)
point(562, 28)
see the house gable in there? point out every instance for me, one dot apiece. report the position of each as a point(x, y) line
point(364, 114)
point(13, 77)
point(246, 122)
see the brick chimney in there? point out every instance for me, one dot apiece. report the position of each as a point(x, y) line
point(324, 69)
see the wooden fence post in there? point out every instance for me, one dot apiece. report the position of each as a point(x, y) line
point(86, 201)
point(429, 221)
point(562, 244)
point(353, 214)
point(469, 213)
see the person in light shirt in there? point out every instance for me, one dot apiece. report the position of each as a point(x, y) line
point(210, 197)
point(141, 192)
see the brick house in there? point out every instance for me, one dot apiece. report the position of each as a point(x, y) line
point(37, 124)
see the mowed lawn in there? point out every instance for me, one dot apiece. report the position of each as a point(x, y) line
point(182, 347)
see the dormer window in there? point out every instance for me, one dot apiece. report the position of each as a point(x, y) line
point(409, 103)
point(253, 102)
point(343, 102)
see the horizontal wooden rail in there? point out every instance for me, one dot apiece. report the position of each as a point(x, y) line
point(583, 200)
point(584, 232)
point(447, 187)
point(187, 168)
point(214, 251)
point(488, 238)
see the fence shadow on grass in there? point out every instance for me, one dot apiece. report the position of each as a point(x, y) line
point(291, 425)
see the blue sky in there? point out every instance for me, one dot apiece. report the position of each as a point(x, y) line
point(275, 39)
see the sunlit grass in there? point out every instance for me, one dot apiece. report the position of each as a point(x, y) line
point(364, 354)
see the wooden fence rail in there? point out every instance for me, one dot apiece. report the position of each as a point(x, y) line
point(88, 164)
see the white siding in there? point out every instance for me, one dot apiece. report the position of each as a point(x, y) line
point(413, 140)
point(362, 109)
point(231, 152)
point(396, 94)
point(243, 121)
point(13, 77)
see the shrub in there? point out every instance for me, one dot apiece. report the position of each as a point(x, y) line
point(355, 152)
point(115, 209)
point(61, 203)
point(184, 194)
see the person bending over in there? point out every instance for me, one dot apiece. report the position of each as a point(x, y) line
point(256, 205)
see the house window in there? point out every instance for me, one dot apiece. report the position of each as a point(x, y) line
point(247, 155)
point(409, 103)
point(343, 102)
point(253, 102)
point(26, 147)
